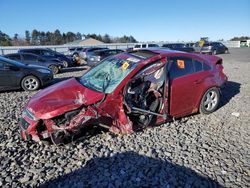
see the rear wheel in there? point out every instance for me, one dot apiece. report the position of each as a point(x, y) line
point(210, 101)
point(65, 64)
point(54, 69)
point(30, 83)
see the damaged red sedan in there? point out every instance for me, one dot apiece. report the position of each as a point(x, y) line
point(125, 93)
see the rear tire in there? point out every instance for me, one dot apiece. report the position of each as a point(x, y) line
point(65, 64)
point(210, 101)
point(54, 69)
point(30, 83)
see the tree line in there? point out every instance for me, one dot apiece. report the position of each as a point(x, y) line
point(240, 38)
point(56, 38)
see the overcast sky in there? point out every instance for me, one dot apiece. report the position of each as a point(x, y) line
point(146, 20)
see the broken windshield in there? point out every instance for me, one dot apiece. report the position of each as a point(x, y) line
point(106, 76)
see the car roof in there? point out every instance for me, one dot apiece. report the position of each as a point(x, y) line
point(153, 52)
point(23, 49)
point(23, 53)
point(164, 51)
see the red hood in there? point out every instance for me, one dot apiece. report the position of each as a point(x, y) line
point(60, 98)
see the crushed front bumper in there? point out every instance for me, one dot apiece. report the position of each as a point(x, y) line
point(28, 129)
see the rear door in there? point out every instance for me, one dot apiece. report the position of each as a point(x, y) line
point(8, 77)
point(185, 85)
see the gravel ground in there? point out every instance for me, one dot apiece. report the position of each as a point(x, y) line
point(197, 151)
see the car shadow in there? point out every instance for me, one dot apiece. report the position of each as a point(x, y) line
point(228, 92)
point(129, 169)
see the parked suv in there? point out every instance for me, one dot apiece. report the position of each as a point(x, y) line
point(33, 59)
point(211, 48)
point(50, 55)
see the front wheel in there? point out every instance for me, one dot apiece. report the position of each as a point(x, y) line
point(210, 101)
point(214, 52)
point(30, 83)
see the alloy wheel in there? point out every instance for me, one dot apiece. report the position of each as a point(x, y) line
point(31, 83)
point(211, 100)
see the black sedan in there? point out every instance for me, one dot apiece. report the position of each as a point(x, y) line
point(33, 59)
point(15, 75)
point(179, 47)
point(50, 55)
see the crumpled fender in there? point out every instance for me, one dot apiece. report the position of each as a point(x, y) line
point(121, 123)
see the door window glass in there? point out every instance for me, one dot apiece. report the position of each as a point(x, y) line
point(198, 66)
point(47, 52)
point(27, 57)
point(15, 57)
point(180, 66)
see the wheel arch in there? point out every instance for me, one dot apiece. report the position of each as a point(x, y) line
point(202, 94)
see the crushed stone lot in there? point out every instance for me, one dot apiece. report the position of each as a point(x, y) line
point(196, 151)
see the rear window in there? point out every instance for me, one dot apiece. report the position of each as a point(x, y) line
point(14, 57)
